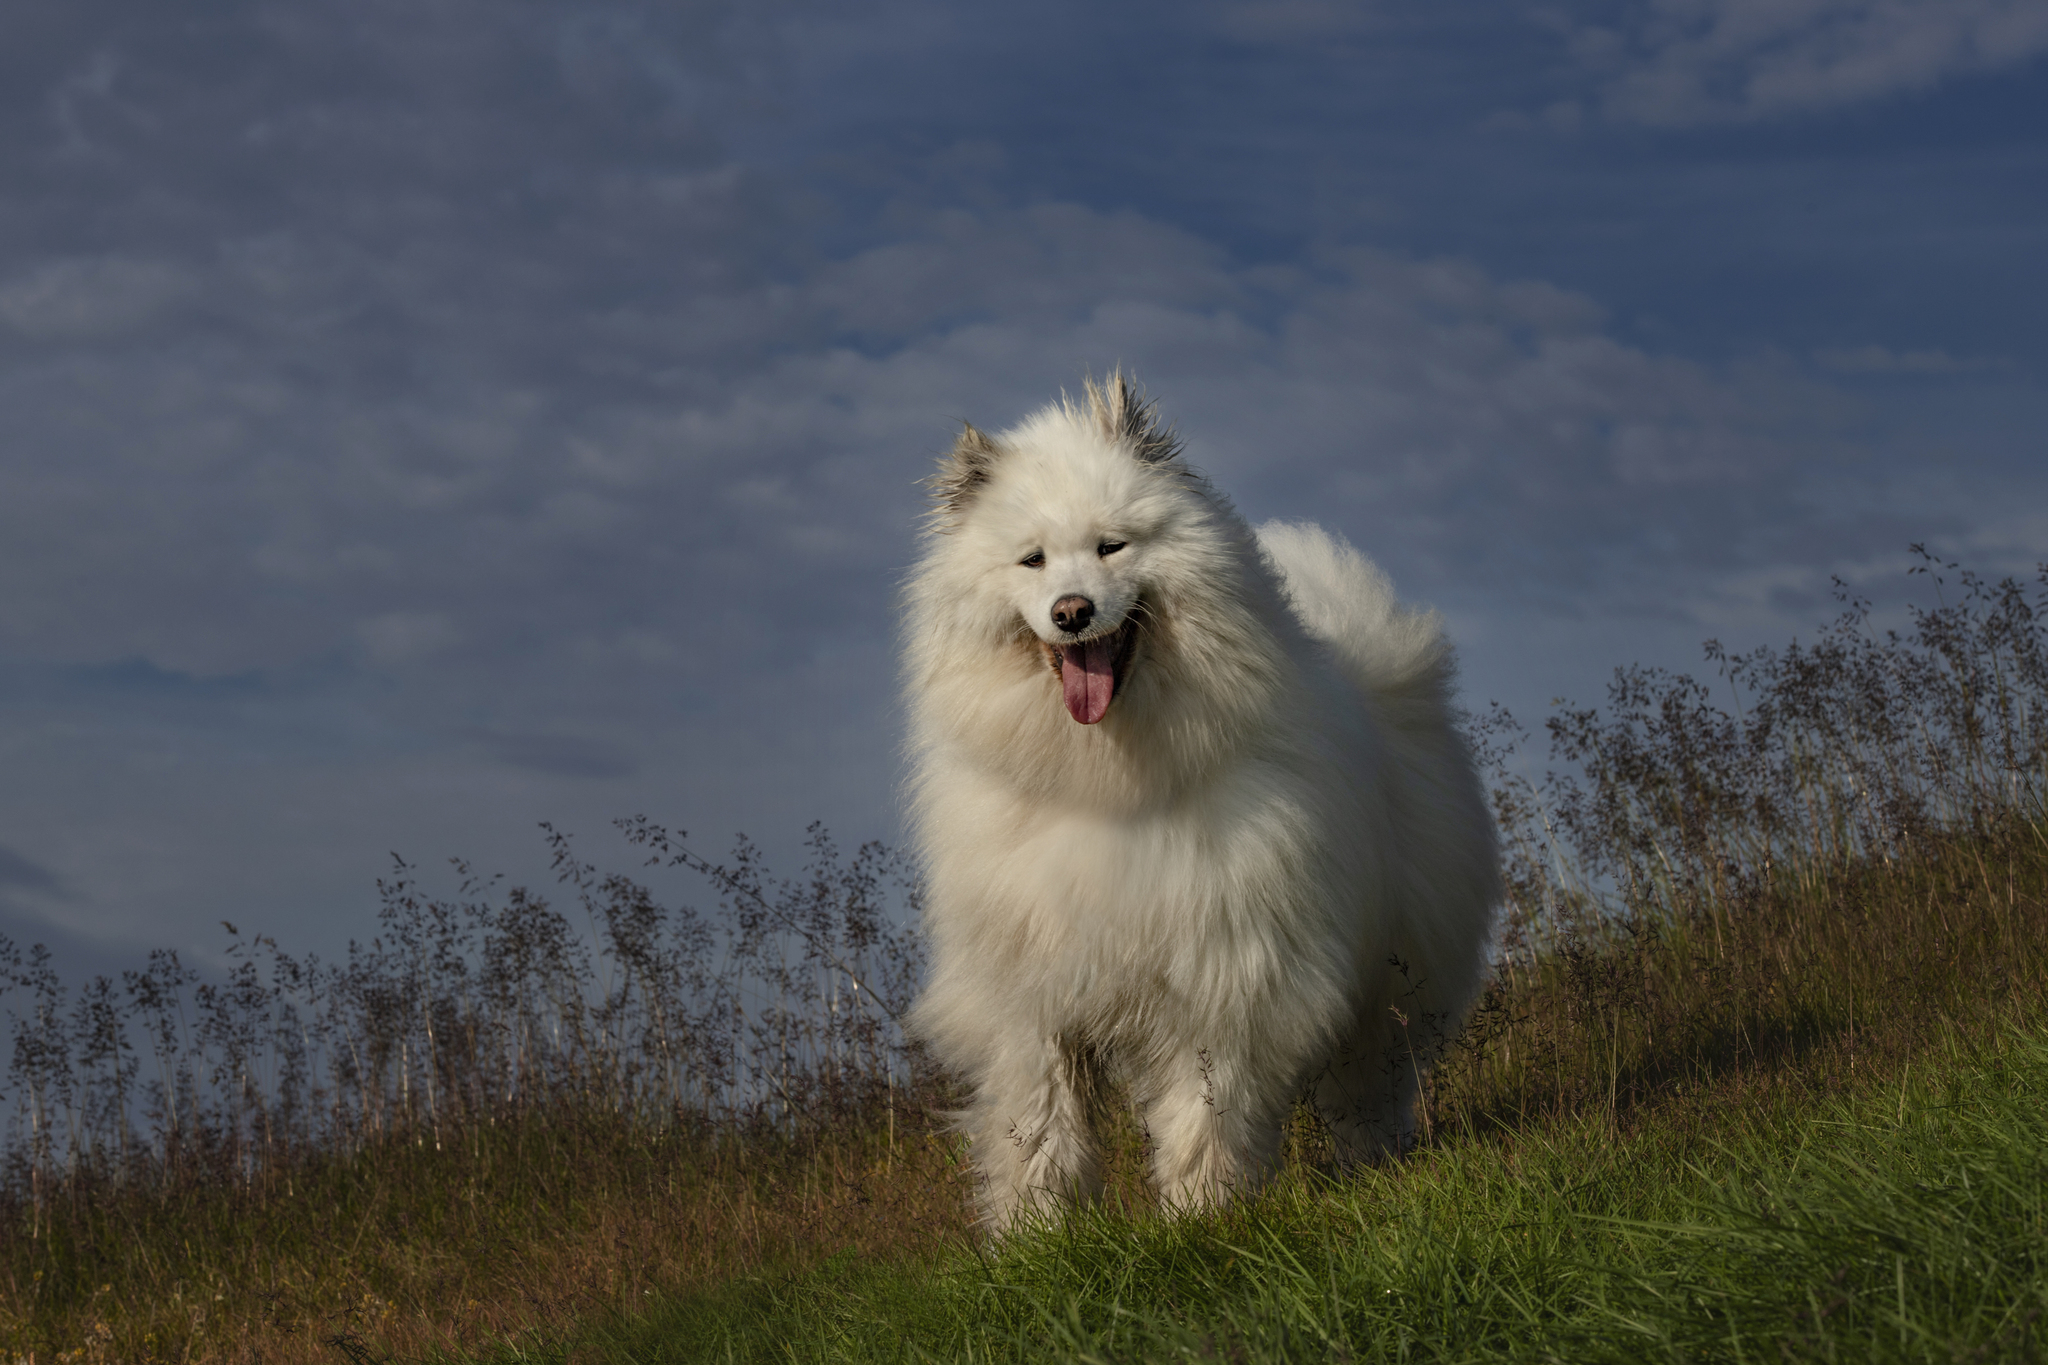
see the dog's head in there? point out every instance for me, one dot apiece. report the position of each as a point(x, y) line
point(1068, 524)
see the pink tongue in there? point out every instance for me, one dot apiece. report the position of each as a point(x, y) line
point(1088, 678)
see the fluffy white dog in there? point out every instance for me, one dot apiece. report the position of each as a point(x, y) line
point(1191, 806)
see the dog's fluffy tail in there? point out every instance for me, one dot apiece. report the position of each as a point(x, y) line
point(1443, 865)
point(1398, 657)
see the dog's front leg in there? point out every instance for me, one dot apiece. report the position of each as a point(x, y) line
point(1215, 1130)
point(1028, 1131)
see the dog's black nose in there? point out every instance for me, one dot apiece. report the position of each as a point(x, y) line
point(1073, 613)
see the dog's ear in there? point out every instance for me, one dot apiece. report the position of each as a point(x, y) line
point(1130, 419)
point(963, 470)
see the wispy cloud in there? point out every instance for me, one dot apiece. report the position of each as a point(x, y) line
point(1685, 62)
point(1873, 359)
point(18, 873)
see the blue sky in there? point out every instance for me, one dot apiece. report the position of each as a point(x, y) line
point(425, 419)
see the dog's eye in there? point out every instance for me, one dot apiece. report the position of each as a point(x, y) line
point(1034, 560)
point(1110, 547)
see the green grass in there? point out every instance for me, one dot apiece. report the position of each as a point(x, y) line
point(1906, 1221)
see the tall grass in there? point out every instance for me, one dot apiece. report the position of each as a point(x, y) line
point(777, 1007)
point(1853, 845)
point(196, 1165)
point(509, 1110)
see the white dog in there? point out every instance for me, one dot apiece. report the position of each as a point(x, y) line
point(1191, 806)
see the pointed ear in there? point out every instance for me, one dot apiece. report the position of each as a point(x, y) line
point(963, 470)
point(1129, 419)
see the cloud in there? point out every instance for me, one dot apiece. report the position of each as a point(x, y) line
point(23, 884)
point(373, 607)
point(1873, 359)
point(256, 501)
point(558, 755)
point(18, 873)
point(1289, 21)
point(82, 298)
point(1688, 62)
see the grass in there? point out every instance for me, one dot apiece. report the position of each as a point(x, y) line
point(405, 1247)
point(1905, 1222)
point(1760, 1075)
point(1813, 983)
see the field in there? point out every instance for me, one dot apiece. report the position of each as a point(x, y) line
point(1762, 1074)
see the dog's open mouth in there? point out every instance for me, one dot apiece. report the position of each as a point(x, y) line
point(1091, 670)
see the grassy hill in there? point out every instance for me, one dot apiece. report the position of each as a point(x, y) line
point(1761, 1074)
point(1899, 1221)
